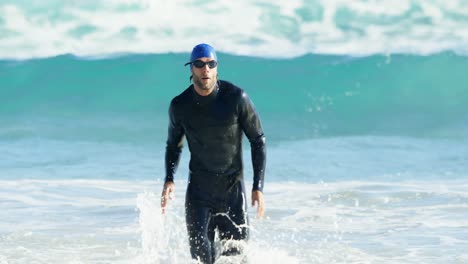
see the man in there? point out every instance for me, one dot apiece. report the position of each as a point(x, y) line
point(213, 115)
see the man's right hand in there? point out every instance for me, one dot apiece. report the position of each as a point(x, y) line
point(167, 192)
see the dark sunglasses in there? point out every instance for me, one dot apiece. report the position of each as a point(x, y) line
point(201, 64)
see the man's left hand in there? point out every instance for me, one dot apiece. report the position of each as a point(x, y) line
point(257, 196)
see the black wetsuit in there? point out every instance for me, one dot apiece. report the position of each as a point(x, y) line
point(216, 198)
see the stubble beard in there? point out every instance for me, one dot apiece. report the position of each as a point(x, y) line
point(200, 84)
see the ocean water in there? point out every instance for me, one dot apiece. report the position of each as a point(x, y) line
point(364, 105)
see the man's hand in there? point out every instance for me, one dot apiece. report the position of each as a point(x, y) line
point(257, 196)
point(167, 192)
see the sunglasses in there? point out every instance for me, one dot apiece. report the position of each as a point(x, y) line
point(201, 64)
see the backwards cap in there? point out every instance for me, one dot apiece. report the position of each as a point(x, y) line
point(200, 51)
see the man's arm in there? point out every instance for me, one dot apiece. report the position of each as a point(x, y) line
point(173, 150)
point(251, 125)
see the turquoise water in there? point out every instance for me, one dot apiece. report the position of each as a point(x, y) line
point(364, 106)
point(304, 97)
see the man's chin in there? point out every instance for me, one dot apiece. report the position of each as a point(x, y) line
point(207, 86)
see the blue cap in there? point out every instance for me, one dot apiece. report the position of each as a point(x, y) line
point(200, 51)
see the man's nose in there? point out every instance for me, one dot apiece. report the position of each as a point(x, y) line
point(206, 67)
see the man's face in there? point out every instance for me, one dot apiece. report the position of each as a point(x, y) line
point(205, 77)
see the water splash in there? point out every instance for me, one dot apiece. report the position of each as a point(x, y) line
point(164, 238)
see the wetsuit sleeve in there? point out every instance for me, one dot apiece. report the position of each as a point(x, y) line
point(252, 128)
point(174, 144)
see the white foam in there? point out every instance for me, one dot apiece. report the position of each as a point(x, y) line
point(258, 28)
point(164, 238)
point(120, 222)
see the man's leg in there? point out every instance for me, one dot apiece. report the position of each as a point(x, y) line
point(233, 223)
point(200, 232)
point(211, 238)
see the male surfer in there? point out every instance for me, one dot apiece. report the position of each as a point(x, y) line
point(213, 114)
